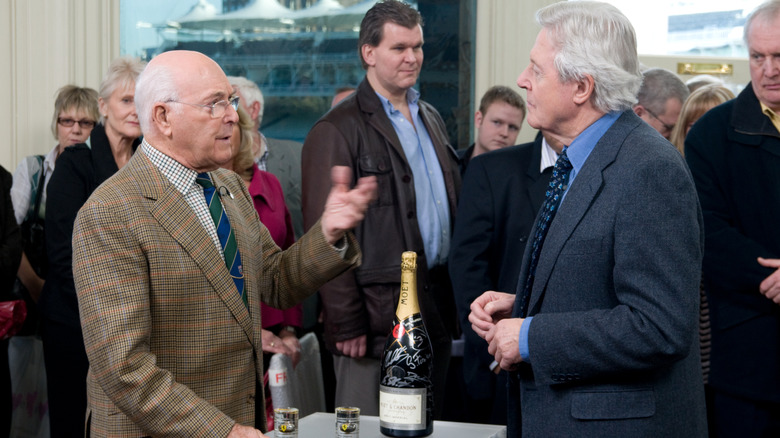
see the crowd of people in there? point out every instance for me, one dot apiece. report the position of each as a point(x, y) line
point(617, 276)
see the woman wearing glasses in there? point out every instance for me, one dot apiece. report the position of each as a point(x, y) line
point(80, 170)
point(75, 114)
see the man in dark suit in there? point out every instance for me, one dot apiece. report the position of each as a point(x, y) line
point(734, 155)
point(502, 192)
point(497, 121)
point(601, 335)
point(173, 335)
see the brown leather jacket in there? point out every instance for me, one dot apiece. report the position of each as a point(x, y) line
point(357, 133)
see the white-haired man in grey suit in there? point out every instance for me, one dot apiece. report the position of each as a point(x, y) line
point(601, 334)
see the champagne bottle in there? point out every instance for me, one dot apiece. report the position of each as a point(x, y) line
point(405, 390)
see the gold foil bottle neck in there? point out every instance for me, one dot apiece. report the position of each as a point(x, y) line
point(407, 301)
point(409, 261)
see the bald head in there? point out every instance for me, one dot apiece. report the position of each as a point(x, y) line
point(175, 98)
point(163, 79)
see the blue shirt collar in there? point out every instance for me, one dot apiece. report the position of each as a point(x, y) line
point(412, 96)
point(579, 149)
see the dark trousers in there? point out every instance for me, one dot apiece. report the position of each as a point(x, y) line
point(66, 377)
point(739, 417)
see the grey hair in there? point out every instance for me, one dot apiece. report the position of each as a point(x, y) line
point(767, 10)
point(155, 84)
point(250, 92)
point(658, 86)
point(122, 73)
point(595, 39)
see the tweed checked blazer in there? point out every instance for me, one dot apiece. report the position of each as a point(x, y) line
point(173, 350)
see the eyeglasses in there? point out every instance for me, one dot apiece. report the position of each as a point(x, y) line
point(668, 128)
point(217, 108)
point(84, 124)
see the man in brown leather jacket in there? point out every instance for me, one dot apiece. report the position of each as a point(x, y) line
point(385, 131)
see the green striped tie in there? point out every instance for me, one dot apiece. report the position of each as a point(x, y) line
point(227, 237)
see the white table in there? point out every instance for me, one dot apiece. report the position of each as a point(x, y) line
point(323, 425)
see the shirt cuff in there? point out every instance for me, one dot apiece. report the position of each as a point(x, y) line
point(523, 341)
point(341, 246)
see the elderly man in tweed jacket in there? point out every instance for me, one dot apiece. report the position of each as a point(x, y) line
point(174, 350)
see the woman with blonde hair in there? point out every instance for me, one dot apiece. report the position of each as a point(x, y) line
point(279, 326)
point(75, 115)
point(80, 170)
point(699, 102)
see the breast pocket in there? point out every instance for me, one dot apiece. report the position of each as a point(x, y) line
point(379, 166)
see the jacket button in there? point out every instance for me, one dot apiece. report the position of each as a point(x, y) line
point(410, 215)
point(406, 178)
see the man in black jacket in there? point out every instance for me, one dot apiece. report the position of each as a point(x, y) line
point(502, 192)
point(733, 152)
point(497, 121)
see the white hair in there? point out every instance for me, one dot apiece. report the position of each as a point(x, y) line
point(767, 10)
point(595, 39)
point(249, 92)
point(155, 84)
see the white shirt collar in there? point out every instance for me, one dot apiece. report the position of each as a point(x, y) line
point(549, 156)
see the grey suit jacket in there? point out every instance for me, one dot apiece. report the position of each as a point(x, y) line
point(613, 342)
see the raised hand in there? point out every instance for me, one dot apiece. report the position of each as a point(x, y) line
point(345, 208)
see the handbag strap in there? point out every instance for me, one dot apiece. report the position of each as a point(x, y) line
point(39, 188)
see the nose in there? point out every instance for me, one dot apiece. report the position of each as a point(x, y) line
point(410, 55)
point(771, 66)
point(231, 114)
point(522, 80)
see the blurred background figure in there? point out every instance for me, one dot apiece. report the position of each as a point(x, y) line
point(80, 169)
point(733, 152)
point(699, 81)
point(341, 93)
point(10, 254)
point(660, 99)
point(497, 121)
point(282, 158)
point(75, 114)
point(699, 102)
point(280, 327)
point(696, 105)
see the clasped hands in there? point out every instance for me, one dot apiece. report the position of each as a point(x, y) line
point(490, 319)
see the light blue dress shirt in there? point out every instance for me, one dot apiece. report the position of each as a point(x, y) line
point(433, 212)
point(578, 152)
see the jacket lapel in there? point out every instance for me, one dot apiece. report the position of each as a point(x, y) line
point(578, 200)
point(178, 219)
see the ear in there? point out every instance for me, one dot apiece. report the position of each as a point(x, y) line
point(585, 89)
point(478, 119)
point(161, 119)
point(254, 110)
point(102, 106)
point(639, 110)
point(368, 54)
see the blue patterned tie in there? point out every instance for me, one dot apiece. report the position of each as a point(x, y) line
point(225, 233)
point(553, 195)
